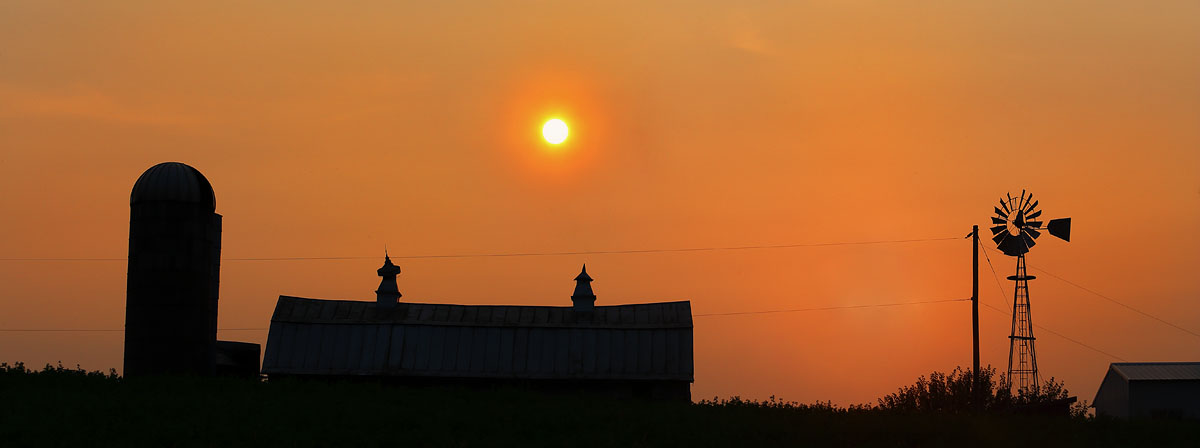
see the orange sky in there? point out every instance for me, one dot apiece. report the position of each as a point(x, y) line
point(329, 130)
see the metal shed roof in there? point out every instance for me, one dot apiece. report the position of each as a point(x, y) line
point(1157, 371)
point(650, 341)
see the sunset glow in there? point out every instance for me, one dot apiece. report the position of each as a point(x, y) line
point(787, 129)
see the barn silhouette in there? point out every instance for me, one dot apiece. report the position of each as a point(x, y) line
point(637, 350)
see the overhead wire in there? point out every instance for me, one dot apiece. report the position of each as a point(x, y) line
point(826, 308)
point(1110, 299)
point(991, 267)
point(994, 274)
point(97, 330)
point(1040, 327)
point(1003, 294)
point(525, 254)
point(536, 254)
point(841, 307)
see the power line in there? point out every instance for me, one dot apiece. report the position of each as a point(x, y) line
point(1110, 299)
point(537, 254)
point(63, 259)
point(1040, 327)
point(96, 330)
point(1062, 335)
point(995, 276)
point(876, 305)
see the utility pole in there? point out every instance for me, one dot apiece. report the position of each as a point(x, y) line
point(976, 388)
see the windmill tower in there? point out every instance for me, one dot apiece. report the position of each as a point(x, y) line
point(1016, 227)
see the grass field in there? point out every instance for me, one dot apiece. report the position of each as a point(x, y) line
point(72, 408)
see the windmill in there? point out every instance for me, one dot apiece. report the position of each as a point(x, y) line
point(1015, 230)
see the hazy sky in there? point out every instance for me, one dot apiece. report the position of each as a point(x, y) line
point(331, 129)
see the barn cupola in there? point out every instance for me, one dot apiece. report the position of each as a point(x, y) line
point(388, 293)
point(583, 298)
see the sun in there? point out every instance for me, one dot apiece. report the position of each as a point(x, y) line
point(554, 131)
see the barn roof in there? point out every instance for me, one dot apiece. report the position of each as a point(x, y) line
point(1157, 371)
point(651, 341)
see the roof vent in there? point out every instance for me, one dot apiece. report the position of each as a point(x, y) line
point(583, 298)
point(388, 293)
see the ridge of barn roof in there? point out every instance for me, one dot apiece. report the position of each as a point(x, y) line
point(642, 315)
point(1157, 371)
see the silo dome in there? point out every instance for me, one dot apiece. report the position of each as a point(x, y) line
point(173, 182)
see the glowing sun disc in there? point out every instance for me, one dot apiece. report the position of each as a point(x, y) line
point(554, 131)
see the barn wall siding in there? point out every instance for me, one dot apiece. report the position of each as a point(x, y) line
point(1113, 397)
point(1164, 399)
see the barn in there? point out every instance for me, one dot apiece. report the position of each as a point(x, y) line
point(637, 350)
point(1150, 389)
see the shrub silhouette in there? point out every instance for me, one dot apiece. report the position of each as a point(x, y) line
point(952, 393)
point(51, 371)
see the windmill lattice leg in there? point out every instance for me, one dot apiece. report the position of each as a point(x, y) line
point(1023, 373)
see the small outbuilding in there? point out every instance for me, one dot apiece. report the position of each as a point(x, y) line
point(637, 350)
point(1150, 390)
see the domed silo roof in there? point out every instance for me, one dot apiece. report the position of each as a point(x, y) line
point(173, 182)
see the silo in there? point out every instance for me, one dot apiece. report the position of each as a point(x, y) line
point(174, 273)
